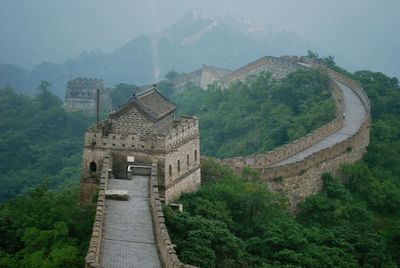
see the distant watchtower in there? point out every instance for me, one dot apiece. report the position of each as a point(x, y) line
point(81, 95)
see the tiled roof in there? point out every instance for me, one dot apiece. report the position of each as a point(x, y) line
point(150, 102)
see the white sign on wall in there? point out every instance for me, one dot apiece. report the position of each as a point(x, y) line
point(130, 159)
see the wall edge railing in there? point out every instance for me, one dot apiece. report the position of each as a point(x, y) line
point(92, 259)
point(280, 153)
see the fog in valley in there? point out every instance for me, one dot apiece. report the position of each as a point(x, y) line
point(360, 34)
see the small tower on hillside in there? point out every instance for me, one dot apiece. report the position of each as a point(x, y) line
point(81, 95)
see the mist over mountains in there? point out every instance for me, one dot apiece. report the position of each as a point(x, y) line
point(197, 38)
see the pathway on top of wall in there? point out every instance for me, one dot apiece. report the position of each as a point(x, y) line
point(128, 238)
point(355, 113)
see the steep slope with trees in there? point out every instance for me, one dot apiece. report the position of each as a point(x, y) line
point(39, 141)
point(353, 222)
point(259, 114)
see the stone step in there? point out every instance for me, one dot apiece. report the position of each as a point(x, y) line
point(117, 195)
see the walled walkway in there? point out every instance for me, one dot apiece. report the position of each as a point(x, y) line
point(128, 239)
point(355, 114)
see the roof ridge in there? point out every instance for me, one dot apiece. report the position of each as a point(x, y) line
point(141, 102)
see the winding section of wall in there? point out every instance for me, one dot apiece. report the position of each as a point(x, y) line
point(295, 169)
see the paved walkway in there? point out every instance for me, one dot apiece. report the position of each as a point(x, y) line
point(128, 239)
point(355, 114)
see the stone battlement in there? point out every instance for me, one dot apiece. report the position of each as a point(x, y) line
point(93, 255)
point(295, 169)
point(185, 129)
point(287, 150)
point(81, 95)
point(279, 67)
point(182, 131)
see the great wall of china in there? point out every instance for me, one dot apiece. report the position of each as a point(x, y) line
point(294, 169)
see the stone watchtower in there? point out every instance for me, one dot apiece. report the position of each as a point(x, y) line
point(144, 127)
point(81, 95)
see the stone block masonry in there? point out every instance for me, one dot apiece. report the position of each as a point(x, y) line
point(168, 255)
point(93, 254)
point(81, 95)
point(145, 128)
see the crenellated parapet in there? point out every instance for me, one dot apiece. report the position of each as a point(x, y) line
point(145, 128)
point(281, 153)
point(295, 169)
point(278, 67)
point(81, 95)
point(185, 129)
point(92, 259)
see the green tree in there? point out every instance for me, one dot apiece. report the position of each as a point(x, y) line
point(122, 93)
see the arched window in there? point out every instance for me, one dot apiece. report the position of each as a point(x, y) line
point(170, 170)
point(195, 155)
point(93, 166)
point(179, 165)
point(187, 160)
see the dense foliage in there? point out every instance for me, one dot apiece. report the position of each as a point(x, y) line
point(122, 93)
point(38, 141)
point(41, 143)
point(232, 222)
point(259, 114)
point(44, 229)
point(229, 222)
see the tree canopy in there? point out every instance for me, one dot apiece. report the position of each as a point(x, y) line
point(353, 222)
point(38, 140)
point(259, 114)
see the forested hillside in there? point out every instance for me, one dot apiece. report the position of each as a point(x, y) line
point(39, 142)
point(259, 114)
point(45, 229)
point(229, 222)
point(353, 222)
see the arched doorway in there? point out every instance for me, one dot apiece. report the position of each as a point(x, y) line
point(93, 166)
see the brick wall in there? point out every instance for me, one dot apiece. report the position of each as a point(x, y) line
point(181, 143)
point(131, 121)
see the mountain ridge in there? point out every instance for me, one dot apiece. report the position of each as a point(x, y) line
point(194, 40)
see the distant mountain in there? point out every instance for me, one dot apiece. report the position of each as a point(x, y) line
point(197, 38)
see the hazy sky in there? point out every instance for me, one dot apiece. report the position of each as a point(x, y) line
point(365, 32)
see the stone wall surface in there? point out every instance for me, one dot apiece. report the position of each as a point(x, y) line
point(186, 183)
point(165, 247)
point(81, 95)
point(301, 178)
point(182, 162)
point(90, 180)
point(167, 252)
point(131, 121)
point(278, 67)
point(93, 254)
point(287, 150)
